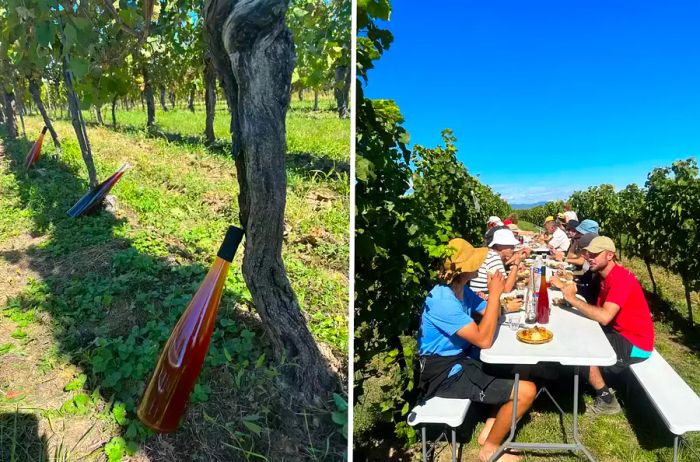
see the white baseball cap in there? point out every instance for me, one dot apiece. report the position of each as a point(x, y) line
point(494, 220)
point(504, 237)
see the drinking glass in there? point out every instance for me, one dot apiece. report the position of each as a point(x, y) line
point(515, 320)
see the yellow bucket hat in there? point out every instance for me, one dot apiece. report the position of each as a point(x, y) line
point(549, 218)
point(465, 258)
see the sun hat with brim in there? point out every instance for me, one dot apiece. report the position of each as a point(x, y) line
point(588, 226)
point(465, 258)
point(561, 216)
point(572, 224)
point(493, 220)
point(513, 227)
point(599, 244)
point(504, 237)
point(586, 239)
point(548, 219)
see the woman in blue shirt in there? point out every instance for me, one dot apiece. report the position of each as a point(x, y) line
point(449, 341)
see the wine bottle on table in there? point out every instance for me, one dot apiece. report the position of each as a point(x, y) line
point(543, 298)
point(165, 398)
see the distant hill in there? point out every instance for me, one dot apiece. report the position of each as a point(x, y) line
point(526, 206)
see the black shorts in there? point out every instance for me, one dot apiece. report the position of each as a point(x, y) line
point(623, 349)
point(479, 382)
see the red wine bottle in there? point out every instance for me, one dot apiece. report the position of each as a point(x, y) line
point(543, 298)
point(165, 398)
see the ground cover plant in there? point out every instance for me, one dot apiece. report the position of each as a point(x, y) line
point(87, 303)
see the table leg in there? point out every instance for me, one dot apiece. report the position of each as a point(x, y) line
point(675, 449)
point(510, 444)
point(454, 445)
point(577, 438)
point(513, 422)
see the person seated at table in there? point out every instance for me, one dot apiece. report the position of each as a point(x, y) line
point(501, 252)
point(588, 226)
point(561, 221)
point(546, 235)
point(449, 343)
point(559, 240)
point(492, 224)
point(587, 282)
point(570, 230)
point(569, 214)
point(623, 312)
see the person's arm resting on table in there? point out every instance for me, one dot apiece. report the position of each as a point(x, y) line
point(602, 314)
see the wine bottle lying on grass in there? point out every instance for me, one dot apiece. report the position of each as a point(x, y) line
point(92, 200)
point(35, 151)
point(164, 400)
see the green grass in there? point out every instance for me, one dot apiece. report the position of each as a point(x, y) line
point(99, 295)
point(527, 226)
point(327, 137)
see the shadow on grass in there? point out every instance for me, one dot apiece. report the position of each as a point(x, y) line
point(303, 163)
point(663, 311)
point(20, 439)
point(114, 293)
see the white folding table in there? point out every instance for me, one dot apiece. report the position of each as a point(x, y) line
point(578, 341)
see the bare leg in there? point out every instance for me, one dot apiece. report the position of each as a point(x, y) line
point(487, 429)
point(501, 426)
point(595, 378)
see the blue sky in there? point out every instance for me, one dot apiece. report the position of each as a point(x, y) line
point(546, 97)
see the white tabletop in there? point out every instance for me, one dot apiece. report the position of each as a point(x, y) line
point(578, 341)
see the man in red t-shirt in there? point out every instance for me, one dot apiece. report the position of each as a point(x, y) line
point(622, 310)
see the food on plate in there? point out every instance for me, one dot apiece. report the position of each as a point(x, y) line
point(566, 276)
point(507, 302)
point(561, 302)
point(537, 334)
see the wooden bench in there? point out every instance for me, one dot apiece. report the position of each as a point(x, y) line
point(445, 411)
point(677, 404)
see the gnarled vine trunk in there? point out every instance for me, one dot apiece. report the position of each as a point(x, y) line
point(114, 111)
point(342, 91)
point(98, 115)
point(35, 91)
point(190, 102)
point(150, 100)
point(162, 99)
point(78, 123)
point(687, 300)
point(19, 108)
point(260, 51)
point(209, 98)
point(9, 115)
point(647, 262)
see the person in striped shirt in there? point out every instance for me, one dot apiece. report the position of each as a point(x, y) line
point(501, 252)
